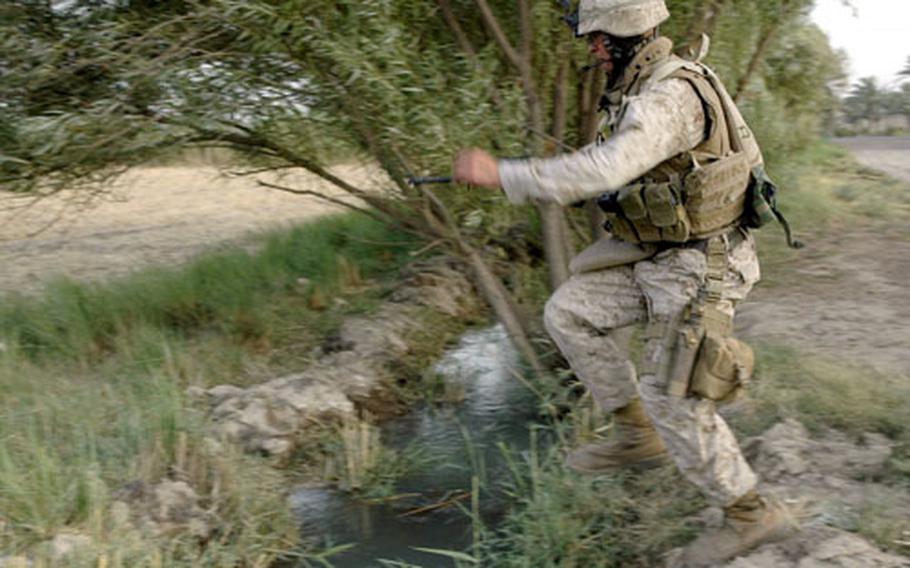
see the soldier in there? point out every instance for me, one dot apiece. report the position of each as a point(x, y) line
point(673, 179)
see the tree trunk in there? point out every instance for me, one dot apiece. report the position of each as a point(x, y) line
point(552, 217)
point(590, 89)
point(759, 54)
point(500, 300)
point(553, 226)
point(491, 287)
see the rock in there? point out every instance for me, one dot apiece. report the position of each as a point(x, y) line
point(197, 394)
point(276, 446)
point(764, 559)
point(855, 459)
point(351, 371)
point(163, 510)
point(15, 562)
point(826, 548)
point(440, 284)
point(3, 349)
point(174, 508)
point(67, 544)
point(222, 392)
point(381, 336)
point(781, 451)
point(787, 451)
point(269, 417)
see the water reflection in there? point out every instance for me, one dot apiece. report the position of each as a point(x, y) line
point(458, 440)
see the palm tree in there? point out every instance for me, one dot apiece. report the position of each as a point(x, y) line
point(865, 101)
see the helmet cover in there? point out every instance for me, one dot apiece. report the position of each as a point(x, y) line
point(620, 18)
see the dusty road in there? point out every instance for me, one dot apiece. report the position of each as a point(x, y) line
point(888, 154)
point(155, 215)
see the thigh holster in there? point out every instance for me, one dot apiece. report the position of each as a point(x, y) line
point(708, 361)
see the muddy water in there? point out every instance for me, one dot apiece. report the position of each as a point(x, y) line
point(458, 442)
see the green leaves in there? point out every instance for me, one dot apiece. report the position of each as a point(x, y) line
point(87, 89)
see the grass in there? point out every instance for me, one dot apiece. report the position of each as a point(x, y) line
point(563, 519)
point(93, 383)
point(824, 191)
point(233, 292)
point(822, 393)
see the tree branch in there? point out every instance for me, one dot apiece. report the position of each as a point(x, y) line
point(492, 24)
point(759, 54)
point(460, 36)
point(324, 197)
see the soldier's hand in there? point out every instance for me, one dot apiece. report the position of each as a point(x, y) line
point(477, 167)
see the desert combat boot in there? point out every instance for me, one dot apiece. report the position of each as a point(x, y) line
point(634, 443)
point(749, 522)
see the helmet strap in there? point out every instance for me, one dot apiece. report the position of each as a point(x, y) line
point(623, 50)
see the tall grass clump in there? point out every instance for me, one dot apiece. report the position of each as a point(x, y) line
point(229, 291)
point(73, 440)
point(561, 518)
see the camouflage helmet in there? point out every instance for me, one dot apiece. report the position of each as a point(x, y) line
point(620, 18)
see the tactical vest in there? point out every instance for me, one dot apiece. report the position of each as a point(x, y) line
point(698, 193)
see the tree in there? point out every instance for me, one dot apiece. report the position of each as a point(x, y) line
point(865, 101)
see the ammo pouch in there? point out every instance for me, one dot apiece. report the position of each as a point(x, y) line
point(709, 365)
point(648, 213)
point(723, 365)
point(709, 199)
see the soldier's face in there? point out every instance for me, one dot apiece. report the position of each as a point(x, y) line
point(598, 46)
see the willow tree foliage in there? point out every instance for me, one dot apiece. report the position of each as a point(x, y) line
point(91, 88)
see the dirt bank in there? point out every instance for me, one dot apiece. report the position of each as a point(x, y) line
point(153, 215)
point(845, 296)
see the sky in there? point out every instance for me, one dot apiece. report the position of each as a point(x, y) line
point(874, 33)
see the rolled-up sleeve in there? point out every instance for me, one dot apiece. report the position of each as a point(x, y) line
point(662, 122)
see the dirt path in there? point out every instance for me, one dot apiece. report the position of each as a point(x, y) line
point(154, 215)
point(888, 154)
point(847, 296)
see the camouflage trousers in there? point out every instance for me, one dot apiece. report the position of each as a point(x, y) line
point(591, 316)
